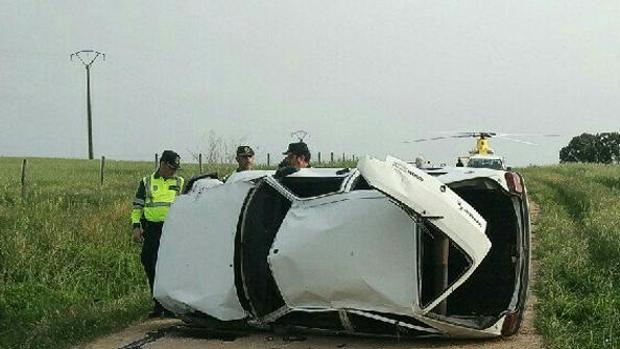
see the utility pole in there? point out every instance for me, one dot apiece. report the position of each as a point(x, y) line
point(87, 54)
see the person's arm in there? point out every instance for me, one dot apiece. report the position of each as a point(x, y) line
point(182, 189)
point(136, 212)
point(284, 171)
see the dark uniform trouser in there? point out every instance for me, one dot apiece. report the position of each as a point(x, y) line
point(152, 234)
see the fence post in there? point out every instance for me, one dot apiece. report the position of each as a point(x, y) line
point(101, 169)
point(23, 181)
point(343, 158)
point(200, 162)
point(268, 159)
point(319, 157)
point(332, 157)
point(156, 160)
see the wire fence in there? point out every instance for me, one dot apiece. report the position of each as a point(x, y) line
point(332, 160)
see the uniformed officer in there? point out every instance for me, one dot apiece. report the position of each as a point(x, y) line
point(245, 158)
point(154, 196)
point(297, 157)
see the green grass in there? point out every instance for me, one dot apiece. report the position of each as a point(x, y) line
point(578, 249)
point(69, 270)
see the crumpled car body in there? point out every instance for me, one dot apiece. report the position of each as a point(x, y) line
point(385, 249)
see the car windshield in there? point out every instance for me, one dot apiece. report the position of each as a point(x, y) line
point(495, 164)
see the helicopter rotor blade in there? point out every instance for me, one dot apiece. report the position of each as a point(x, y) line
point(434, 138)
point(425, 139)
point(486, 134)
point(515, 140)
point(465, 134)
point(528, 134)
point(482, 134)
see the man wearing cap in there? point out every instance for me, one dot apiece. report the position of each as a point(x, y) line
point(245, 158)
point(154, 196)
point(297, 157)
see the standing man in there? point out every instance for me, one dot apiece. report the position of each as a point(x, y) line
point(245, 158)
point(297, 157)
point(155, 194)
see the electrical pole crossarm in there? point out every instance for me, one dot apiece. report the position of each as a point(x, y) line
point(80, 53)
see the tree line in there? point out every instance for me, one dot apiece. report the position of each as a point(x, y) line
point(600, 148)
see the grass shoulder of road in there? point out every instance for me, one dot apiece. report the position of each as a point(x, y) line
point(69, 270)
point(578, 250)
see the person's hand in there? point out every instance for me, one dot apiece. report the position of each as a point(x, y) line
point(137, 234)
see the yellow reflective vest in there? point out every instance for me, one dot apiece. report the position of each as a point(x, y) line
point(154, 202)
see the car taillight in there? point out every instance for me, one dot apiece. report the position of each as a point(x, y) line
point(514, 182)
point(511, 324)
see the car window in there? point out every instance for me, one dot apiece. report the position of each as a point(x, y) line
point(305, 187)
point(495, 164)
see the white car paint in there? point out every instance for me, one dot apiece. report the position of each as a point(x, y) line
point(339, 255)
point(195, 262)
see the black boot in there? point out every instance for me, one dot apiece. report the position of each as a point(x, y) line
point(158, 311)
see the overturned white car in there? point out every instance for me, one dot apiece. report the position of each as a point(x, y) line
point(383, 249)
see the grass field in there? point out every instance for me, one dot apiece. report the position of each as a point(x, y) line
point(69, 270)
point(578, 249)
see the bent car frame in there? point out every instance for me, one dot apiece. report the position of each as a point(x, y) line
point(385, 249)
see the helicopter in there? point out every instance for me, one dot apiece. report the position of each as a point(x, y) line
point(482, 155)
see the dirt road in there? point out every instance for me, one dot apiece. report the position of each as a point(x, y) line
point(526, 339)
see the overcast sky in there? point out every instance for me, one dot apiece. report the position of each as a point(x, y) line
point(360, 76)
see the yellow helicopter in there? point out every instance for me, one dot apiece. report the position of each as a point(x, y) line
point(483, 156)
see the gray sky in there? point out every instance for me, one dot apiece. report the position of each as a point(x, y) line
point(360, 76)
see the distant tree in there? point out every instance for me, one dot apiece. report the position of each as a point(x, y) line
point(601, 148)
point(610, 147)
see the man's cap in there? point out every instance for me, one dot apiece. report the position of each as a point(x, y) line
point(297, 148)
point(245, 150)
point(171, 158)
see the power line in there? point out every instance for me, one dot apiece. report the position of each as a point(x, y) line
point(87, 54)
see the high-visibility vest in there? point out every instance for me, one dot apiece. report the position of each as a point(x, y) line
point(160, 193)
